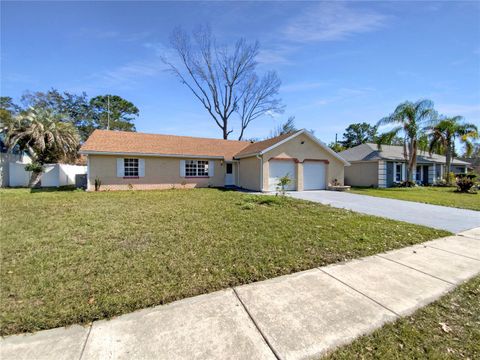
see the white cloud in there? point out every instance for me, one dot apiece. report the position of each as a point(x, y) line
point(109, 34)
point(468, 111)
point(341, 95)
point(158, 48)
point(17, 78)
point(302, 86)
point(272, 56)
point(329, 21)
point(127, 75)
point(134, 70)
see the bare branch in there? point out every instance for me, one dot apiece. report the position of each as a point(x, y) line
point(259, 98)
point(218, 76)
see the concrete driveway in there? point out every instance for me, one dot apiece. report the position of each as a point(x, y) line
point(438, 217)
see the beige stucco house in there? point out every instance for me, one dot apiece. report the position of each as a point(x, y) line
point(385, 166)
point(125, 160)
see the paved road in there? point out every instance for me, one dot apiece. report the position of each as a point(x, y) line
point(298, 316)
point(439, 217)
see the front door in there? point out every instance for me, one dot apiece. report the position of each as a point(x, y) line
point(229, 175)
point(425, 175)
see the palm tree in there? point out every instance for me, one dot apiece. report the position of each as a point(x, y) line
point(45, 136)
point(445, 131)
point(410, 119)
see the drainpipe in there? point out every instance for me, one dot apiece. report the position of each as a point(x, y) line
point(261, 171)
point(88, 172)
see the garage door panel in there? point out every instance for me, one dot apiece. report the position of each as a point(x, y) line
point(314, 175)
point(281, 168)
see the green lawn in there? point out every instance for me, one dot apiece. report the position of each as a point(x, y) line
point(73, 257)
point(446, 329)
point(445, 196)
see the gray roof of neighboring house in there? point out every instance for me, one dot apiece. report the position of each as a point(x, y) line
point(371, 152)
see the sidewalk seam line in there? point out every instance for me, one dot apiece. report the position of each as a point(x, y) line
point(85, 343)
point(468, 236)
point(361, 293)
point(420, 271)
point(452, 252)
point(270, 346)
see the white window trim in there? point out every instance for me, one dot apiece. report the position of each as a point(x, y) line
point(402, 172)
point(421, 173)
point(121, 168)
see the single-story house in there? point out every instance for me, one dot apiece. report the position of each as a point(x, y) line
point(126, 160)
point(371, 166)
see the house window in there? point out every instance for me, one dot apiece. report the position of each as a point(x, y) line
point(130, 167)
point(398, 172)
point(194, 168)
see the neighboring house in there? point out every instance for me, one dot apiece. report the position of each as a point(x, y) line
point(474, 163)
point(123, 160)
point(8, 158)
point(371, 166)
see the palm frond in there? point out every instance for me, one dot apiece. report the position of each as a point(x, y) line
point(387, 137)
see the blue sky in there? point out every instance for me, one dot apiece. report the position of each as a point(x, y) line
point(339, 62)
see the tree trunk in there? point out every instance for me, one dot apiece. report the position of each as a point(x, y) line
point(240, 137)
point(448, 161)
point(412, 164)
point(34, 179)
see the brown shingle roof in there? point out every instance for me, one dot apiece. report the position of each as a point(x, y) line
point(369, 152)
point(256, 147)
point(124, 142)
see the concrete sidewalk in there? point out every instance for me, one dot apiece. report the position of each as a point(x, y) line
point(297, 316)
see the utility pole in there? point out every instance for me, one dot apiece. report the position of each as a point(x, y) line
point(108, 112)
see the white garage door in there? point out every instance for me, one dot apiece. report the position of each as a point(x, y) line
point(314, 175)
point(280, 168)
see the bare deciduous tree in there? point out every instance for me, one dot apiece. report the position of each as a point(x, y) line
point(223, 78)
point(259, 99)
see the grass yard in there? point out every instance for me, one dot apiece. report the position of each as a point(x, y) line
point(74, 257)
point(446, 329)
point(445, 196)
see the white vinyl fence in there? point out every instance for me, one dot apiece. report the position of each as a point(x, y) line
point(54, 175)
point(5, 160)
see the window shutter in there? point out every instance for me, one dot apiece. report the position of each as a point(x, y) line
point(141, 167)
point(120, 168)
point(182, 168)
point(211, 168)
